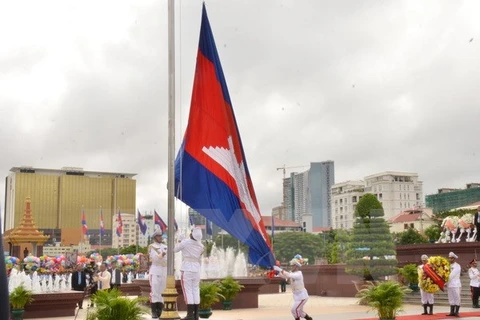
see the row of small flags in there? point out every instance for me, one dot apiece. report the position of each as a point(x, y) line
point(140, 220)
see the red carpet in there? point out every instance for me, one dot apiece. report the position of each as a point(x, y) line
point(433, 316)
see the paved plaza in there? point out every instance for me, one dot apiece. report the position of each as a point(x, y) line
point(277, 307)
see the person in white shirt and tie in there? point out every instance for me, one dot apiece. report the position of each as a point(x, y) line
point(474, 276)
point(103, 278)
point(454, 285)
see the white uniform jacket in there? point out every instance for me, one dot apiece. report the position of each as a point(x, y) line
point(159, 262)
point(191, 253)
point(474, 276)
point(454, 279)
point(296, 283)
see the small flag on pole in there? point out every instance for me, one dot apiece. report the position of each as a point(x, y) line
point(84, 223)
point(159, 222)
point(273, 227)
point(141, 223)
point(119, 224)
point(102, 225)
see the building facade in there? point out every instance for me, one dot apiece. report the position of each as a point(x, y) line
point(345, 196)
point(128, 236)
point(397, 191)
point(60, 196)
point(309, 193)
point(447, 199)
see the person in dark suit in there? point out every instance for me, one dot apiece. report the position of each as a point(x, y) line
point(79, 282)
point(116, 279)
point(476, 220)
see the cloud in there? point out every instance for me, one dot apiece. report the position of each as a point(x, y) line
point(372, 85)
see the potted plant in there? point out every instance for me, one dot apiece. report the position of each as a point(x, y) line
point(229, 290)
point(410, 273)
point(112, 306)
point(210, 293)
point(386, 298)
point(19, 298)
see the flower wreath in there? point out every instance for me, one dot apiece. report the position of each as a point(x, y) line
point(433, 275)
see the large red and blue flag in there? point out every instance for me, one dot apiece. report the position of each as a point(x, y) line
point(84, 224)
point(211, 170)
point(142, 225)
point(159, 222)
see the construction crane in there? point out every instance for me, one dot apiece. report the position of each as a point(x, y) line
point(284, 169)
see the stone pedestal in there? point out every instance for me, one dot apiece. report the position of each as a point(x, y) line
point(51, 305)
point(329, 280)
point(247, 298)
point(411, 253)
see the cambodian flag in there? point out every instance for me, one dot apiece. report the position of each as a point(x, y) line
point(84, 223)
point(215, 180)
point(159, 222)
point(119, 224)
point(102, 225)
point(141, 223)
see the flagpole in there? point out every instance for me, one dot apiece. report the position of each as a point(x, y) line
point(170, 294)
point(100, 233)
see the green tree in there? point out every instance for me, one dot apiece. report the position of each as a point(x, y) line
point(371, 250)
point(433, 232)
point(288, 244)
point(337, 248)
point(225, 241)
point(410, 236)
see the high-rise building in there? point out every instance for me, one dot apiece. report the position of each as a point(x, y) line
point(59, 197)
point(144, 239)
point(345, 196)
point(447, 198)
point(128, 235)
point(309, 192)
point(397, 191)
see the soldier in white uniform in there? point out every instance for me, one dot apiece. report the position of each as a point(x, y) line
point(426, 297)
point(157, 274)
point(192, 250)
point(454, 285)
point(300, 294)
point(474, 276)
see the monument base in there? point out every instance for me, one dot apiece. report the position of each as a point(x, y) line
point(51, 305)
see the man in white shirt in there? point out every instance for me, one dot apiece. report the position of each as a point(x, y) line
point(454, 285)
point(300, 294)
point(192, 250)
point(474, 276)
point(157, 275)
point(103, 278)
point(426, 297)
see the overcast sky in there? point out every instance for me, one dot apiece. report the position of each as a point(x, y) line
point(372, 85)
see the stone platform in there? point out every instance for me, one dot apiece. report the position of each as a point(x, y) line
point(55, 304)
point(247, 298)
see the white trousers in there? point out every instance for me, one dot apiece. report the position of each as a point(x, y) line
point(454, 296)
point(297, 308)
point(426, 298)
point(191, 287)
point(157, 286)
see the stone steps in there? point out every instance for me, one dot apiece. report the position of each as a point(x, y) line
point(441, 298)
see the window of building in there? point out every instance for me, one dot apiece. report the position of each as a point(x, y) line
point(380, 196)
point(341, 201)
point(405, 226)
point(412, 225)
point(341, 217)
point(354, 199)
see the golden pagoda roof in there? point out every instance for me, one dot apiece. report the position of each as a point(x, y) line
point(26, 232)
